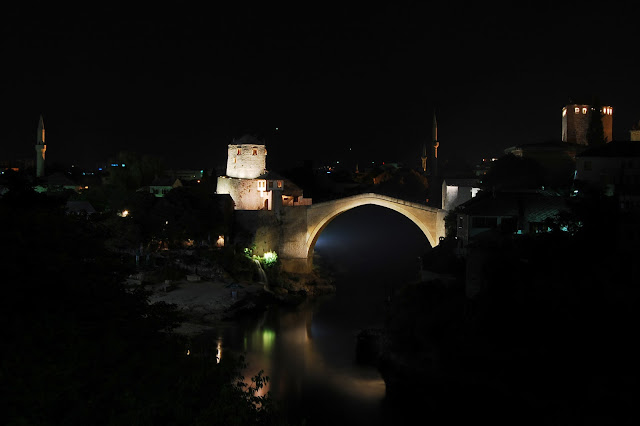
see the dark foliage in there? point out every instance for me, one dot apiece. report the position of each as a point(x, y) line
point(513, 172)
point(79, 348)
point(550, 334)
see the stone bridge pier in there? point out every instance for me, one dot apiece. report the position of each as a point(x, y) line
point(302, 225)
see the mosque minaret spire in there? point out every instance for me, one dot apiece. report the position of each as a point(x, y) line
point(41, 148)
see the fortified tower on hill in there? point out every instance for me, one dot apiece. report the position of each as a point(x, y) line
point(41, 148)
point(575, 122)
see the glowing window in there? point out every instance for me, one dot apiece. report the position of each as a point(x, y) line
point(564, 112)
point(234, 160)
point(255, 151)
point(279, 184)
point(577, 110)
point(584, 110)
point(239, 151)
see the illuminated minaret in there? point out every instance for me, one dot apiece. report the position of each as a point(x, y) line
point(435, 144)
point(40, 149)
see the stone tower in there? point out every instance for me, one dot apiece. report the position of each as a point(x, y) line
point(41, 148)
point(247, 158)
point(575, 122)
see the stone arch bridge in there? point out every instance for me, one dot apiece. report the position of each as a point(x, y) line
point(302, 225)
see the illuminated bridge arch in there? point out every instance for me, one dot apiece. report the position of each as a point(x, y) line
point(301, 233)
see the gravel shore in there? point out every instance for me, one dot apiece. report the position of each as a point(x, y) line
point(204, 303)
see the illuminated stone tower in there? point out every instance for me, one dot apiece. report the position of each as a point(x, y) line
point(41, 148)
point(575, 122)
point(247, 158)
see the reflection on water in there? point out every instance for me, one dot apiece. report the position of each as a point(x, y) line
point(311, 367)
point(308, 352)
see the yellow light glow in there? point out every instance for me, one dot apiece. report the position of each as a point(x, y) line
point(125, 213)
point(86, 187)
point(188, 352)
point(584, 110)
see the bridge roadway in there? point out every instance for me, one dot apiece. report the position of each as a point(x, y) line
point(302, 225)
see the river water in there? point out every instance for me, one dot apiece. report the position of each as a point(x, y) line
point(308, 352)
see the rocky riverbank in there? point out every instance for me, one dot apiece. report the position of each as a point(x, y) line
point(205, 303)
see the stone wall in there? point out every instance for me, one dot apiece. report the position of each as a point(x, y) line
point(261, 228)
point(246, 161)
point(575, 124)
point(245, 193)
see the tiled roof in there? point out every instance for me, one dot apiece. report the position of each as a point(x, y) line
point(163, 181)
point(534, 206)
point(80, 206)
point(461, 181)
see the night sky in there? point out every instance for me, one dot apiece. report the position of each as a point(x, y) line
point(181, 83)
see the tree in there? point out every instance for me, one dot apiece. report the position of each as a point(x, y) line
point(511, 172)
point(82, 349)
point(595, 131)
point(135, 170)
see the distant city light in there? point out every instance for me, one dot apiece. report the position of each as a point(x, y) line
point(122, 164)
point(100, 168)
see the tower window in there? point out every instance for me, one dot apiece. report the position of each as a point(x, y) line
point(279, 184)
point(239, 151)
point(584, 110)
point(564, 112)
point(255, 151)
point(577, 110)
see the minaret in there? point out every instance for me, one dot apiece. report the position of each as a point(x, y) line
point(424, 157)
point(435, 144)
point(40, 149)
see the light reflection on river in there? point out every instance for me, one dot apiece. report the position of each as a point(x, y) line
point(309, 351)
